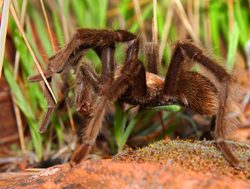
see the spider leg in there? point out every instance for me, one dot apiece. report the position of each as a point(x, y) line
point(152, 52)
point(110, 91)
point(193, 52)
point(103, 42)
point(50, 101)
point(108, 63)
point(152, 57)
point(72, 53)
point(50, 109)
point(79, 44)
point(176, 84)
point(94, 115)
point(93, 123)
point(132, 74)
point(85, 77)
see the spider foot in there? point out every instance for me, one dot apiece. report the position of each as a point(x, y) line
point(83, 107)
point(38, 77)
point(228, 154)
point(46, 120)
point(170, 99)
point(80, 154)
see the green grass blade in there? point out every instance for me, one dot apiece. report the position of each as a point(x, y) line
point(242, 18)
point(214, 18)
point(145, 14)
point(127, 133)
point(169, 108)
point(58, 29)
point(3, 31)
point(42, 32)
point(103, 7)
point(232, 47)
point(25, 108)
point(79, 10)
point(118, 121)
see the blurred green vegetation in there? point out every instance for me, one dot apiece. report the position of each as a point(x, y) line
point(220, 26)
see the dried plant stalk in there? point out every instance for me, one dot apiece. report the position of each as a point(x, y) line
point(13, 12)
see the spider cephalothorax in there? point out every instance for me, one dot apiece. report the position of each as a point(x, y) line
point(130, 83)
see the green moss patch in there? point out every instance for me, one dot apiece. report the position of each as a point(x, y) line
point(201, 156)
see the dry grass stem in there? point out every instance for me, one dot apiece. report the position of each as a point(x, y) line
point(19, 124)
point(190, 10)
point(207, 27)
point(71, 120)
point(167, 24)
point(115, 11)
point(197, 17)
point(48, 26)
point(13, 12)
point(3, 31)
point(17, 56)
point(139, 18)
point(64, 21)
point(154, 25)
point(230, 14)
point(16, 69)
point(181, 13)
point(1, 4)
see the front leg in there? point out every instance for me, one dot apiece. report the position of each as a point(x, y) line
point(96, 103)
point(132, 75)
point(86, 86)
point(91, 128)
point(50, 109)
point(83, 40)
point(94, 117)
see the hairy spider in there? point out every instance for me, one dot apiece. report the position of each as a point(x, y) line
point(130, 83)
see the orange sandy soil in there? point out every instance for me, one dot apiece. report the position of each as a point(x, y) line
point(165, 164)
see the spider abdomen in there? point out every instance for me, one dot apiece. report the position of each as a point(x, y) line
point(153, 93)
point(200, 95)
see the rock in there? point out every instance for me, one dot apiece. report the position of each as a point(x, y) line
point(165, 164)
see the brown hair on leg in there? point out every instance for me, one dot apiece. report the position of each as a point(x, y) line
point(50, 110)
point(174, 76)
point(91, 129)
point(220, 130)
point(152, 57)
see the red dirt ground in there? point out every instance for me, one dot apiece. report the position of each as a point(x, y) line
point(160, 165)
point(109, 174)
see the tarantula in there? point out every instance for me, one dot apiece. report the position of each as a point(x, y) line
point(130, 83)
